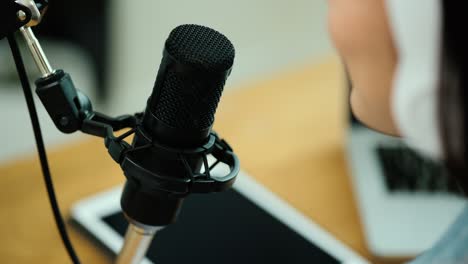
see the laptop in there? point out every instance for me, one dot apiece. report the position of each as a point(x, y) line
point(406, 201)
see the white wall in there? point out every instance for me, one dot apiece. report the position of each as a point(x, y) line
point(268, 35)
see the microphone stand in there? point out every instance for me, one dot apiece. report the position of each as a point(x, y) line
point(139, 236)
point(137, 241)
point(149, 200)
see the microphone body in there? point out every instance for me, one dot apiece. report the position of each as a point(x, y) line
point(178, 119)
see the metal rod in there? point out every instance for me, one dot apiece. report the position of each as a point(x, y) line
point(137, 240)
point(36, 50)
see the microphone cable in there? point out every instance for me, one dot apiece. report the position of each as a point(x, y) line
point(41, 148)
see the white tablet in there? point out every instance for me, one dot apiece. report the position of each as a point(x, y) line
point(248, 224)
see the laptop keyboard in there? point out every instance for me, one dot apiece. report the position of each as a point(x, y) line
point(407, 171)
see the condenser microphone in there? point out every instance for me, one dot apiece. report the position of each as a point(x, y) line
point(195, 65)
point(171, 143)
point(172, 139)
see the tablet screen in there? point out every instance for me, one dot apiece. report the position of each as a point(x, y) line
point(227, 228)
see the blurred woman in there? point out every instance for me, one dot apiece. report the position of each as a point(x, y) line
point(408, 65)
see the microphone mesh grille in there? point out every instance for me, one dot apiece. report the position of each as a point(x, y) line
point(188, 108)
point(201, 46)
point(191, 102)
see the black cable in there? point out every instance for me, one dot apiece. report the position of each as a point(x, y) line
point(41, 148)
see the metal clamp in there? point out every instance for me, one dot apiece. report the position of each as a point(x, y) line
point(36, 16)
point(12, 17)
point(20, 13)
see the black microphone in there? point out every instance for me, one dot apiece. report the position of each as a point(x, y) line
point(196, 63)
point(175, 135)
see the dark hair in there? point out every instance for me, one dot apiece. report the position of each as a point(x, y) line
point(453, 112)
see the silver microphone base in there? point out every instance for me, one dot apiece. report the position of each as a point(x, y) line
point(137, 240)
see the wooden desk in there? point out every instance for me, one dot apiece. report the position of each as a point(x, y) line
point(288, 132)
